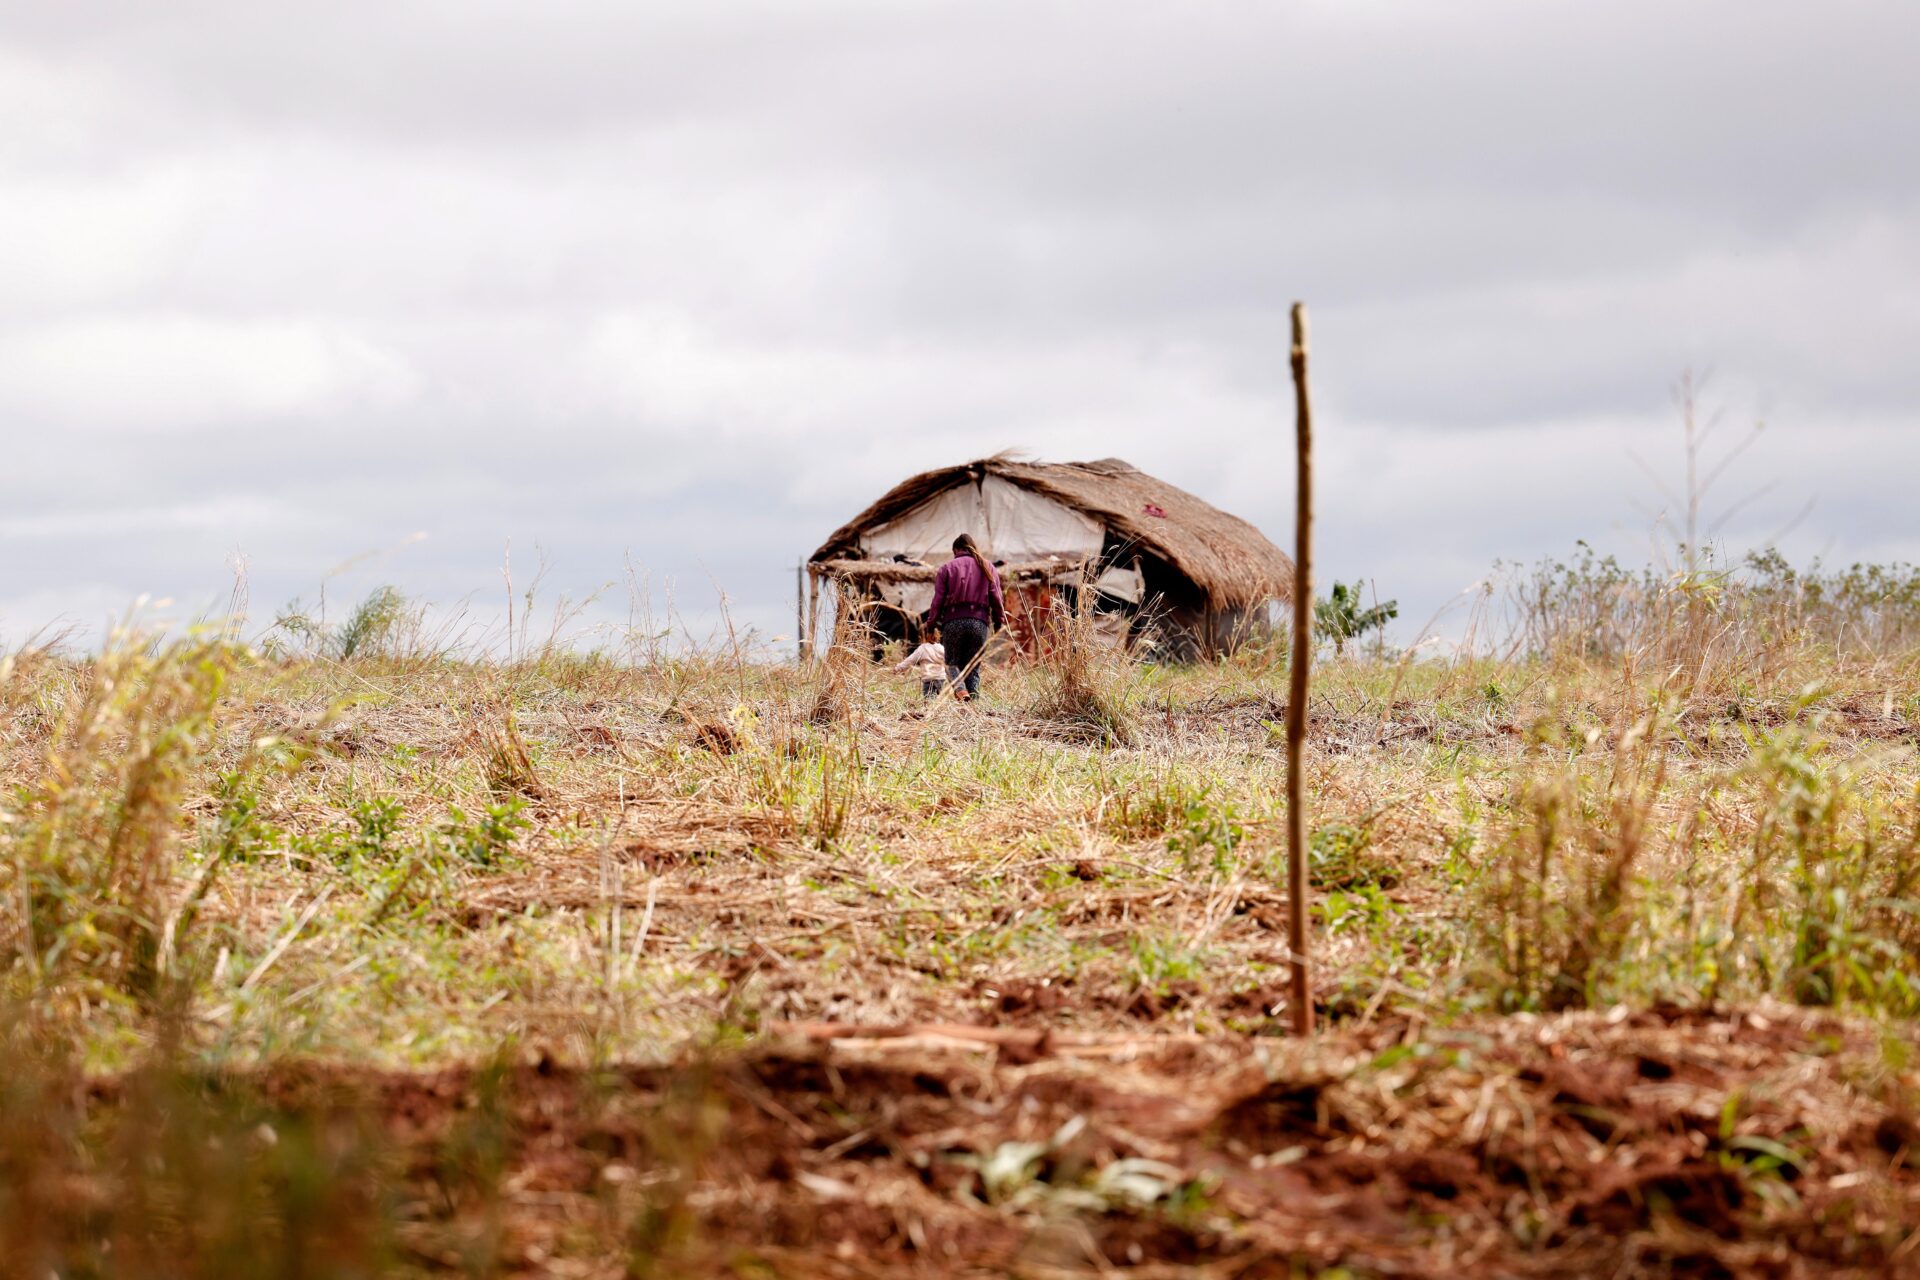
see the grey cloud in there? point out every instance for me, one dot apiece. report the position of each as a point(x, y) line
point(695, 281)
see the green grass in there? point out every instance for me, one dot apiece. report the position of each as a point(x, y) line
point(1533, 834)
point(412, 861)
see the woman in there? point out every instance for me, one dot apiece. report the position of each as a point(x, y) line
point(967, 607)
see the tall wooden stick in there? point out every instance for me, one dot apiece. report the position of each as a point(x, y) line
point(813, 613)
point(1300, 1001)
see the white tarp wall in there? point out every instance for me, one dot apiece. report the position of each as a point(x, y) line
point(1023, 526)
point(1009, 523)
point(927, 532)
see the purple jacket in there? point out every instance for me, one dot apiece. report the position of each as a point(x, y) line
point(961, 590)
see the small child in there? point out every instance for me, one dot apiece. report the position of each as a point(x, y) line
point(930, 659)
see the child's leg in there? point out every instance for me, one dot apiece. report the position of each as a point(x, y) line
point(931, 688)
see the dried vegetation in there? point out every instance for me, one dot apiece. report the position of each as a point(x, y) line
point(576, 966)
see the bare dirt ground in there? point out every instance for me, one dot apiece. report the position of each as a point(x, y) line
point(1631, 1144)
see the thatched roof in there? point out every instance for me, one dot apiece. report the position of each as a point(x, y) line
point(1227, 558)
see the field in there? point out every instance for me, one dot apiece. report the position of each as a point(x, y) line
point(331, 957)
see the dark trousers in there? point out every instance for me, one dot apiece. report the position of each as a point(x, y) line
point(966, 642)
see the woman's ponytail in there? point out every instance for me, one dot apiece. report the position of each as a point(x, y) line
point(964, 545)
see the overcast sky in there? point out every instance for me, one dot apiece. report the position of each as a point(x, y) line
point(695, 282)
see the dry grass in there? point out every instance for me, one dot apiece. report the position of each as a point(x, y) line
point(1087, 683)
point(403, 864)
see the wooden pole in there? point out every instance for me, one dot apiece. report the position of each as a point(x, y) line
point(800, 611)
point(813, 610)
point(1300, 1000)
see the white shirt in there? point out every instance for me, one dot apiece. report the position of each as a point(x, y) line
point(931, 659)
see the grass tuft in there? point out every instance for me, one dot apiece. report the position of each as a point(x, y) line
point(91, 839)
point(1087, 683)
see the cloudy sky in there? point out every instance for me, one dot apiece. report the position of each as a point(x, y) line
point(689, 283)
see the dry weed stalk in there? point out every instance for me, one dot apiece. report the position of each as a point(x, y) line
point(840, 695)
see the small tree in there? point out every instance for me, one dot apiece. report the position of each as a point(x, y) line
point(1341, 617)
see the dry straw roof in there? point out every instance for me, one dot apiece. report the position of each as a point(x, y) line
point(1222, 554)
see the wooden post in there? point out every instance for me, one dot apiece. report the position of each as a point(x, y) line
point(813, 612)
point(1300, 1000)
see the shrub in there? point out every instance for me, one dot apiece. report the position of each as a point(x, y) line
point(383, 625)
point(1340, 617)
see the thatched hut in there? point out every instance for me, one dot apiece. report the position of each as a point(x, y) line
point(1165, 569)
